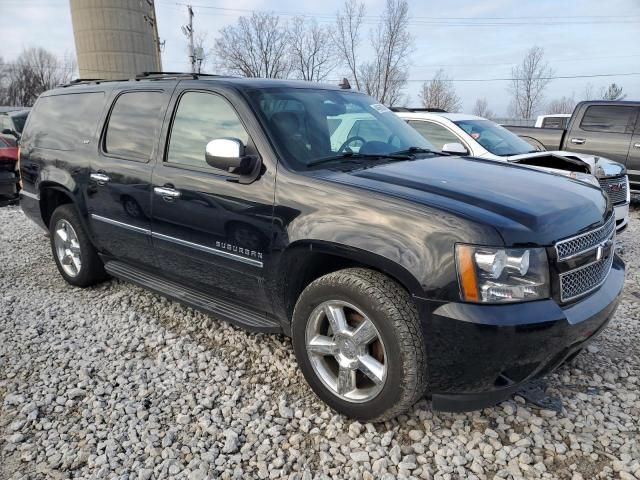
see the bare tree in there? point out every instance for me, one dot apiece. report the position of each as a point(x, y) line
point(613, 92)
point(530, 79)
point(481, 108)
point(33, 72)
point(312, 53)
point(203, 53)
point(440, 93)
point(589, 92)
point(562, 105)
point(385, 76)
point(347, 36)
point(256, 46)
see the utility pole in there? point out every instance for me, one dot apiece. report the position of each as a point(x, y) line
point(188, 31)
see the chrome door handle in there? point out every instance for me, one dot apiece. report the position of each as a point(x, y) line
point(167, 193)
point(578, 141)
point(100, 178)
point(636, 145)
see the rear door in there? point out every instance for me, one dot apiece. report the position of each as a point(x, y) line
point(119, 191)
point(211, 232)
point(604, 130)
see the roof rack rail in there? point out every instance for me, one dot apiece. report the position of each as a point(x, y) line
point(140, 76)
point(417, 109)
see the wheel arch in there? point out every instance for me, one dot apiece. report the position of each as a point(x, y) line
point(52, 195)
point(305, 261)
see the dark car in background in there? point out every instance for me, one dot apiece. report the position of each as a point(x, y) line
point(607, 128)
point(9, 177)
point(396, 270)
point(12, 121)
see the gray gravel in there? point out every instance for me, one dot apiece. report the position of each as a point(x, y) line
point(117, 382)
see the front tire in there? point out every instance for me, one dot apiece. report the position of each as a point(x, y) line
point(75, 256)
point(359, 344)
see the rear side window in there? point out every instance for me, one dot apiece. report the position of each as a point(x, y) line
point(134, 125)
point(436, 134)
point(60, 122)
point(554, 122)
point(200, 118)
point(608, 118)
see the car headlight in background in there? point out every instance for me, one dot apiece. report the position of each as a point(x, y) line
point(499, 275)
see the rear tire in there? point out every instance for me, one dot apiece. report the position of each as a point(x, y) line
point(370, 380)
point(75, 256)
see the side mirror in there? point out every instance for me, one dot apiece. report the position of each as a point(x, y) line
point(228, 154)
point(8, 131)
point(455, 149)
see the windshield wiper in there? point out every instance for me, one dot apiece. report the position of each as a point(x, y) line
point(352, 156)
point(411, 150)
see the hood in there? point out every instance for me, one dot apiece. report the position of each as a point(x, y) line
point(526, 206)
point(598, 166)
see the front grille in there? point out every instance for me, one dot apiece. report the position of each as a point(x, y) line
point(616, 188)
point(586, 241)
point(583, 280)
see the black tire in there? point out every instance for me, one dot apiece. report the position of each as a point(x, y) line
point(92, 269)
point(395, 317)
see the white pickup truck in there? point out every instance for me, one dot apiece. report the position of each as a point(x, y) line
point(463, 134)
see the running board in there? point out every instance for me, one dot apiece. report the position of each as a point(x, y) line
point(232, 313)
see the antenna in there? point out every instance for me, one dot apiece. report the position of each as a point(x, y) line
point(345, 85)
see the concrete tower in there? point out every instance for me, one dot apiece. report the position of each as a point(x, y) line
point(115, 38)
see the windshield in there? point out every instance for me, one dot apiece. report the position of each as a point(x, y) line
point(494, 138)
point(308, 125)
point(19, 120)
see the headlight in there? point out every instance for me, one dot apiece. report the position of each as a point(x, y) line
point(498, 275)
point(584, 177)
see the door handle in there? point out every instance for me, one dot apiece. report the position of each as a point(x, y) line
point(636, 145)
point(578, 141)
point(100, 178)
point(167, 193)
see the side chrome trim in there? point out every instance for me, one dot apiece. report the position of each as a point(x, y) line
point(203, 248)
point(110, 221)
point(178, 241)
point(33, 196)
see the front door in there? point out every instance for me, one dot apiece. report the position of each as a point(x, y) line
point(604, 130)
point(210, 232)
point(119, 190)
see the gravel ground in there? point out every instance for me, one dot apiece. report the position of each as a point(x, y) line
point(117, 382)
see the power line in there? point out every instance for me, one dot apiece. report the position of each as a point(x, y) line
point(559, 77)
point(445, 21)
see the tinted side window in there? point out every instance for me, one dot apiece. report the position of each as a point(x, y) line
point(61, 121)
point(608, 118)
point(200, 118)
point(554, 122)
point(436, 134)
point(134, 124)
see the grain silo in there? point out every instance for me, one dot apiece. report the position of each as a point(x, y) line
point(115, 38)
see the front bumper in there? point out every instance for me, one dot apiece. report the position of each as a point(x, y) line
point(479, 355)
point(622, 216)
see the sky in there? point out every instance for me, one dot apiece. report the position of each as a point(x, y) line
point(471, 40)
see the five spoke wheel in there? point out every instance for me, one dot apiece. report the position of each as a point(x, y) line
point(67, 247)
point(346, 351)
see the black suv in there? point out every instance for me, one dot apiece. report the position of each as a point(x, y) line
point(316, 212)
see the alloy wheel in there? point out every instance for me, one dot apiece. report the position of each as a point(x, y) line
point(67, 248)
point(346, 351)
